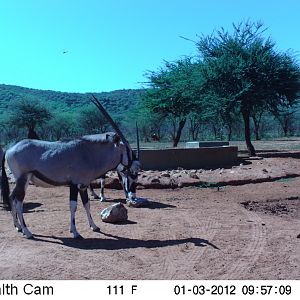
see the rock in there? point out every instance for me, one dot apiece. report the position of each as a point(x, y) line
point(113, 183)
point(155, 180)
point(177, 175)
point(138, 202)
point(165, 175)
point(114, 213)
point(194, 175)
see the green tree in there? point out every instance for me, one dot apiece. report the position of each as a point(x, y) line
point(285, 118)
point(92, 121)
point(62, 125)
point(172, 94)
point(29, 114)
point(149, 123)
point(244, 70)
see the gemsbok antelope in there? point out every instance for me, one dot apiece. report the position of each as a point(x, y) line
point(74, 163)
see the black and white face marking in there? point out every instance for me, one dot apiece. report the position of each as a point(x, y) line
point(129, 178)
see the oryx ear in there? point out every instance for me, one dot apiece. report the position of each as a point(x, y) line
point(116, 139)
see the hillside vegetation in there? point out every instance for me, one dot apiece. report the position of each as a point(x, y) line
point(74, 115)
point(71, 114)
point(116, 102)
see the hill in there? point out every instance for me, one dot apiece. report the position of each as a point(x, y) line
point(116, 102)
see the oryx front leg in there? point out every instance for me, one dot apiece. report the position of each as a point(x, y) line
point(14, 215)
point(17, 198)
point(73, 208)
point(86, 205)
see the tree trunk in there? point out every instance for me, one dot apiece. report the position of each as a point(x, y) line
point(32, 134)
point(286, 127)
point(229, 133)
point(256, 122)
point(246, 117)
point(194, 128)
point(178, 133)
point(215, 130)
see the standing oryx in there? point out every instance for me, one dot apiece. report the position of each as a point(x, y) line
point(126, 178)
point(75, 163)
point(132, 179)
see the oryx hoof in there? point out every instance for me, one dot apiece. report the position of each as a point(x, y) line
point(19, 229)
point(78, 237)
point(28, 236)
point(102, 199)
point(27, 233)
point(96, 229)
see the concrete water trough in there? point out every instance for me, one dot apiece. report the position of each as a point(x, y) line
point(188, 158)
point(197, 144)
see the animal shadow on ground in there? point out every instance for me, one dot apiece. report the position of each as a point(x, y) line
point(113, 242)
point(111, 200)
point(158, 205)
point(127, 222)
point(152, 204)
point(29, 207)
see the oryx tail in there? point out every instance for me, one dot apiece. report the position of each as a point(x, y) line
point(5, 186)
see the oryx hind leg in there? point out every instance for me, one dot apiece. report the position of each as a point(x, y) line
point(102, 184)
point(17, 198)
point(101, 196)
point(91, 189)
point(86, 205)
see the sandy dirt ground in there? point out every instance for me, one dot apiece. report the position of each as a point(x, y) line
point(245, 228)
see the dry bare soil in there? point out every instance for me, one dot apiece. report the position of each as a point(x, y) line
point(246, 227)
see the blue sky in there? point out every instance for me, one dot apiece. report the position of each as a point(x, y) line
point(110, 44)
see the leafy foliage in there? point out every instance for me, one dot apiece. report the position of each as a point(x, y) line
point(29, 114)
point(70, 111)
point(245, 73)
point(172, 93)
point(91, 121)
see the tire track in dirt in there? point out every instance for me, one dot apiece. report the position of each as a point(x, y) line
point(175, 255)
point(133, 259)
point(156, 242)
point(208, 230)
point(165, 266)
point(169, 268)
point(251, 252)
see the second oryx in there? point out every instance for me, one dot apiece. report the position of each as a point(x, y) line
point(131, 178)
point(75, 163)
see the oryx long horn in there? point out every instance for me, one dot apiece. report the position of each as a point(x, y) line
point(109, 119)
point(137, 142)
